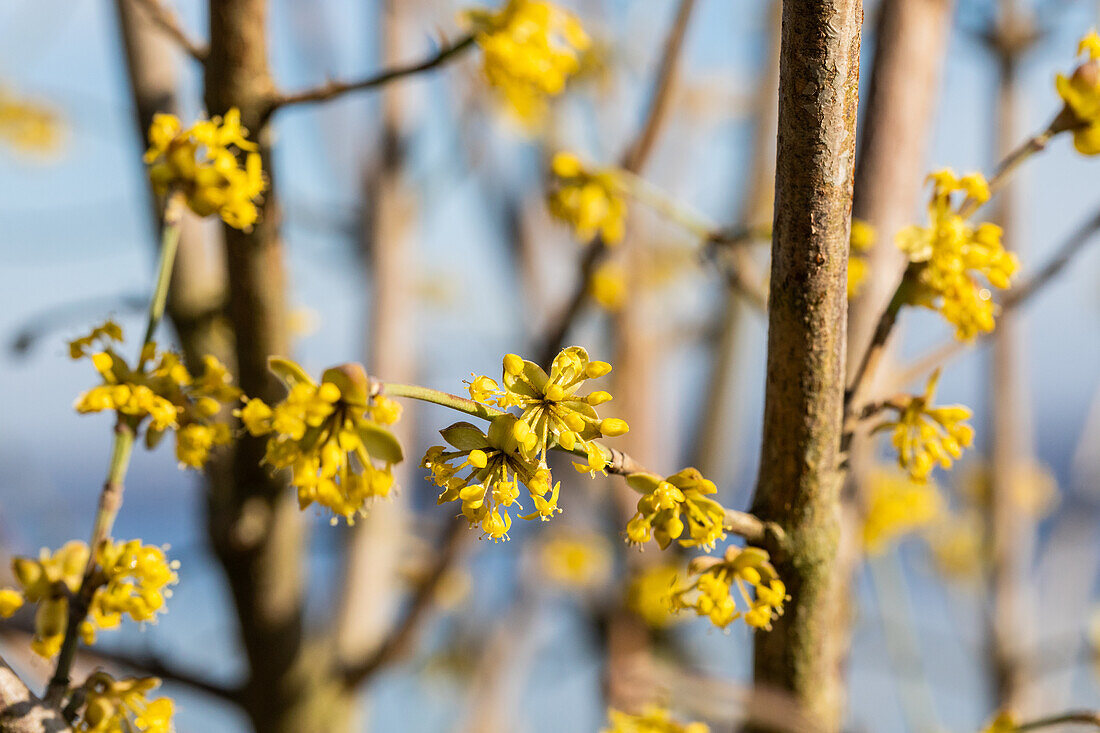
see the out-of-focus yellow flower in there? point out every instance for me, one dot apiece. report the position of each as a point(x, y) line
point(497, 467)
point(924, 435)
point(1081, 94)
point(590, 200)
point(26, 126)
point(1034, 488)
point(672, 504)
point(1003, 722)
point(551, 411)
point(653, 719)
point(948, 254)
point(130, 579)
point(122, 706)
point(165, 392)
point(957, 544)
point(649, 595)
point(861, 240)
point(530, 50)
point(607, 286)
point(710, 594)
point(895, 506)
point(575, 560)
point(329, 435)
point(203, 162)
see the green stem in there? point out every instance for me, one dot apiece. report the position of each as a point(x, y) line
point(656, 199)
point(110, 498)
point(169, 244)
point(438, 397)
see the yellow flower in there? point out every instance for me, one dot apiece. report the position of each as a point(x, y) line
point(122, 706)
point(497, 466)
point(925, 435)
point(530, 49)
point(710, 594)
point(957, 543)
point(649, 595)
point(165, 392)
point(590, 200)
point(575, 560)
point(1003, 722)
point(551, 411)
point(670, 505)
point(329, 436)
point(653, 719)
point(203, 162)
point(135, 581)
point(129, 579)
point(860, 242)
point(895, 506)
point(1081, 94)
point(607, 286)
point(948, 254)
point(27, 126)
point(1033, 487)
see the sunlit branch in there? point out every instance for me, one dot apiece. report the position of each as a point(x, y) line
point(333, 89)
point(170, 25)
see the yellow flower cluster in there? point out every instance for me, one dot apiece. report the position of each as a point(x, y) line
point(710, 594)
point(130, 579)
point(924, 435)
point(497, 464)
point(530, 50)
point(648, 592)
point(861, 240)
point(590, 200)
point(122, 706)
point(202, 162)
point(330, 436)
point(26, 126)
point(653, 719)
point(607, 286)
point(575, 560)
point(166, 393)
point(895, 506)
point(551, 411)
point(947, 254)
point(669, 506)
point(1081, 94)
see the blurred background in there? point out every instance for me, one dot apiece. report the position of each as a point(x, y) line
point(423, 206)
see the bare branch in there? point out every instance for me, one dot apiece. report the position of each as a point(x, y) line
point(21, 711)
point(170, 25)
point(157, 666)
point(333, 89)
point(1082, 717)
point(401, 637)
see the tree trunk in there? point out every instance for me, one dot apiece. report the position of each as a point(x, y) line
point(799, 481)
point(253, 520)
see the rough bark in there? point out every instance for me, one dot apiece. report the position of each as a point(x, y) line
point(799, 480)
point(253, 522)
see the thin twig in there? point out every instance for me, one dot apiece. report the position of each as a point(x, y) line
point(167, 21)
point(633, 161)
point(1082, 717)
point(110, 498)
point(398, 643)
point(333, 89)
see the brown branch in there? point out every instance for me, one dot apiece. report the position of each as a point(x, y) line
point(1082, 717)
point(633, 161)
point(21, 711)
point(157, 666)
point(333, 89)
point(1015, 298)
point(170, 25)
point(401, 639)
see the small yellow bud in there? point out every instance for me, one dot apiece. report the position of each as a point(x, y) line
point(554, 393)
point(613, 426)
point(513, 364)
point(598, 398)
point(478, 459)
point(328, 392)
point(597, 369)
